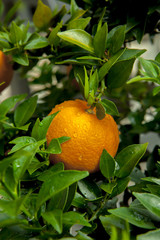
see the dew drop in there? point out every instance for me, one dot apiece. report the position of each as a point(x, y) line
point(40, 124)
point(75, 135)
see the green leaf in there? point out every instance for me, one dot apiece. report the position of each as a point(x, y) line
point(58, 201)
point(112, 220)
point(86, 84)
point(74, 7)
point(107, 165)
point(71, 218)
point(71, 194)
point(128, 158)
point(40, 129)
point(15, 33)
point(108, 187)
point(54, 218)
point(25, 111)
point(156, 90)
point(132, 53)
point(21, 58)
point(52, 39)
point(78, 37)
point(20, 143)
point(36, 43)
point(150, 68)
point(110, 107)
point(100, 111)
point(89, 189)
point(58, 167)
point(42, 15)
point(79, 201)
point(116, 38)
point(106, 66)
point(150, 201)
point(120, 186)
point(99, 41)
point(57, 182)
point(122, 69)
point(132, 217)
point(21, 163)
point(140, 78)
point(54, 147)
point(152, 179)
point(151, 235)
point(157, 58)
point(10, 103)
point(94, 81)
point(78, 23)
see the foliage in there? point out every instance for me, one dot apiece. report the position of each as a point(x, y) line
point(85, 45)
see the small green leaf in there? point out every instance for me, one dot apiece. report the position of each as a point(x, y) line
point(110, 107)
point(57, 182)
point(10, 103)
point(99, 41)
point(20, 143)
point(151, 235)
point(107, 164)
point(140, 78)
point(94, 81)
point(71, 218)
point(132, 53)
point(42, 15)
point(128, 158)
point(86, 84)
point(78, 37)
point(116, 38)
point(9, 15)
point(78, 23)
point(54, 218)
point(79, 201)
point(89, 189)
point(100, 111)
point(121, 185)
point(58, 201)
point(122, 69)
point(106, 67)
point(15, 33)
point(157, 58)
point(156, 90)
point(25, 111)
point(74, 7)
point(36, 43)
point(53, 35)
point(54, 147)
point(132, 217)
point(40, 129)
point(20, 164)
point(58, 167)
point(21, 58)
point(150, 68)
point(150, 201)
point(109, 220)
point(108, 187)
point(152, 179)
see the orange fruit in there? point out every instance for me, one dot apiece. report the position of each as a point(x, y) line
point(89, 136)
point(6, 71)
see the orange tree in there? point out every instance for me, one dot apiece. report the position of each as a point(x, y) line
point(85, 55)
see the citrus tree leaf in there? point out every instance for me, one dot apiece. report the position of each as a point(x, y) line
point(106, 66)
point(10, 103)
point(100, 111)
point(132, 217)
point(39, 130)
point(89, 189)
point(53, 35)
point(25, 111)
point(122, 69)
point(107, 164)
point(151, 235)
point(99, 41)
point(21, 58)
point(128, 158)
point(110, 107)
point(78, 23)
point(150, 201)
point(116, 38)
point(42, 15)
point(54, 218)
point(57, 182)
point(71, 218)
point(78, 37)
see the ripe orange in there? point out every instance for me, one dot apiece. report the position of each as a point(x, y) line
point(6, 71)
point(89, 136)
